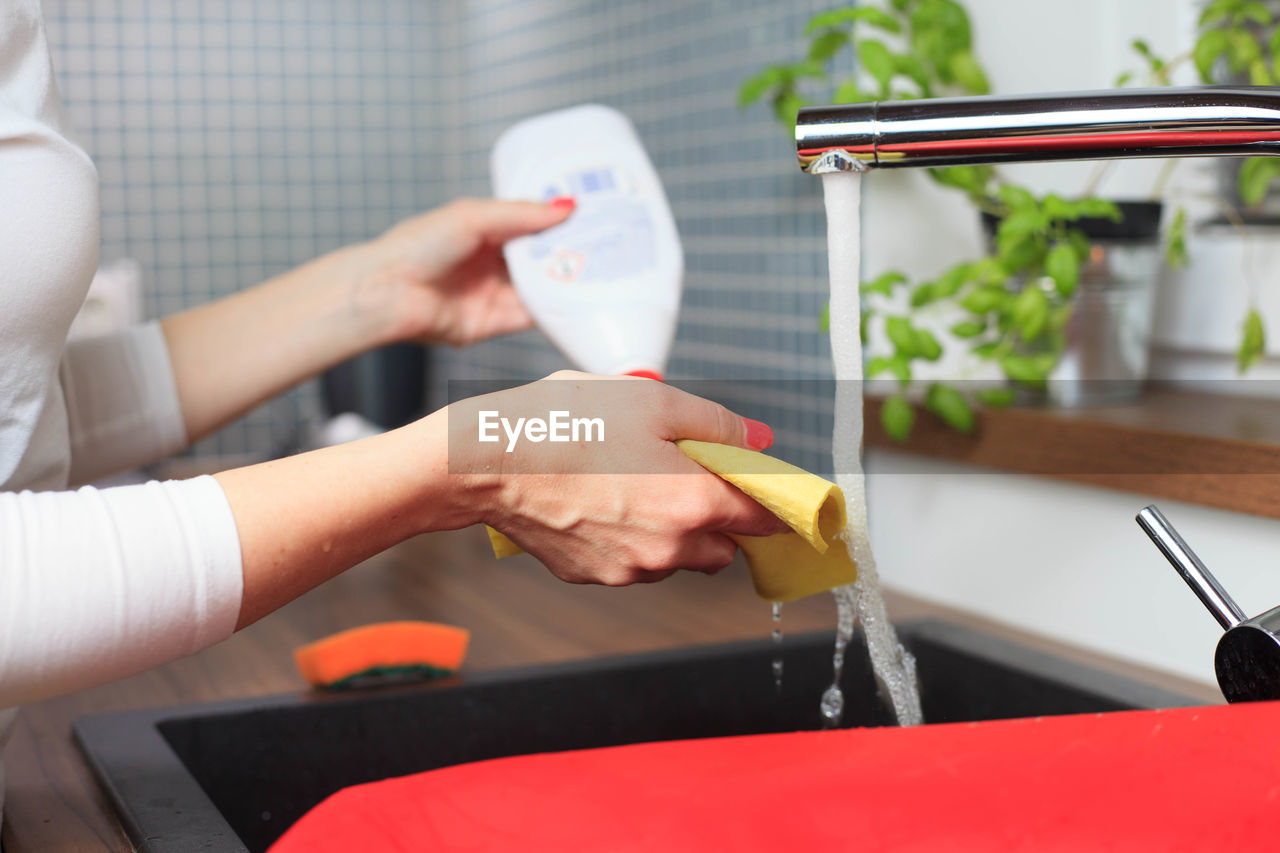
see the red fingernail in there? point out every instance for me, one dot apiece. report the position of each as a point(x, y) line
point(759, 436)
point(563, 202)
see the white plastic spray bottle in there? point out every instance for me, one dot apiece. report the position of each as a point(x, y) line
point(605, 285)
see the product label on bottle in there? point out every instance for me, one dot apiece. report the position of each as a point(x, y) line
point(609, 236)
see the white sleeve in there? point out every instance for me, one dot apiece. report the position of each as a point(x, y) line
point(97, 584)
point(122, 404)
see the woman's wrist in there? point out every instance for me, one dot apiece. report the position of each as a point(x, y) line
point(373, 294)
point(463, 486)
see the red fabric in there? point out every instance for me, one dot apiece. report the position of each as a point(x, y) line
point(1195, 779)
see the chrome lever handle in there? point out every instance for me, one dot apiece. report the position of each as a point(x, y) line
point(1193, 571)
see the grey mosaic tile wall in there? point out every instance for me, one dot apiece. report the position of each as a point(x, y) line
point(235, 139)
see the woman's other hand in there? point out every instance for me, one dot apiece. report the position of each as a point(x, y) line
point(441, 277)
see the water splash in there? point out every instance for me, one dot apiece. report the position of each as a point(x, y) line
point(832, 705)
point(777, 641)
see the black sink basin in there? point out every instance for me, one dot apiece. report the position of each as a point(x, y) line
point(235, 775)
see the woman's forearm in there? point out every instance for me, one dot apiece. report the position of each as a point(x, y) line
point(436, 278)
point(305, 518)
point(234, 354)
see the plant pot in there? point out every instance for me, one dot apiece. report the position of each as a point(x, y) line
point(1106, 356)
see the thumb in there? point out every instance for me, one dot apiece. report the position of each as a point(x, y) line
point(693, 417)
point(499, 221)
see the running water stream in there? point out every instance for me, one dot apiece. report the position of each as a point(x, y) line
point(863, 600)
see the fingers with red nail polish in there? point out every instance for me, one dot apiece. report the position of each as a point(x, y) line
point(757, 434)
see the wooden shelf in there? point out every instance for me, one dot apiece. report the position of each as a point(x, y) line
point(1208, 449)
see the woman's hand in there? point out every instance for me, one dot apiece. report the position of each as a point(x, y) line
point(437, 278)
point(630, 508)
point(441, 276)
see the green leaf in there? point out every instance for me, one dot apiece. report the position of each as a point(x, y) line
point(940, 28)
point(864, 322)
point(950, 405)
point(1209, 47)
point(1026, 370)
point(877, 365)
point(989, 271)
point(1256, 12)
point(877, 61)
point(950, 282)
point(1256, 175)
point(996, 398)
point(1017, 198)
point(786, 106)
point(1063, 266)
point(900, 367)
point(1018, 251)
point(808, 68)
point(1079, 242)
point(982, 300)
point(968, 329)
point(849, 93)
point(1098, 208)
point(830, 19)
point(1254, 341)
point(1244, 49)
point(884, 283)
point(873, 17)
point(1175, 240)
point(1030, 312)
point(897, 417)
point(1122, 80)
point(972, 179)
point(911, 65)
point(969, 74)
point(923, 295)
point(1059, 317)
point(824, 319)
point(985, 350)
point(827, 45)
point(928, 345)
point(753, 88)
point(1056, 208)
point(869, 15)
point(902, 335)
point(1219, 10)
point(1259, 73)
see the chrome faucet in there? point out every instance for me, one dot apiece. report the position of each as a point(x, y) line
point(1175, 122)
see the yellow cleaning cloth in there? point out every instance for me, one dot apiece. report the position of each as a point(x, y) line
point(784, 566)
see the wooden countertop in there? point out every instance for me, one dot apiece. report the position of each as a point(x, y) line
point(517, 612)
point(1212, 449)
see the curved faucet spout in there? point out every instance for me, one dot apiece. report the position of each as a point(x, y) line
point(1207, 121)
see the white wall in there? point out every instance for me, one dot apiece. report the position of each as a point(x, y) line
point(1067, 561)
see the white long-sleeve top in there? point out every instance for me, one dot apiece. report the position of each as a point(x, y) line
point(95, 584)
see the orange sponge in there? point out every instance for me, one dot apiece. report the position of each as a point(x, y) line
point(383, 651)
